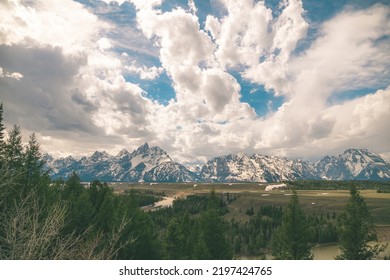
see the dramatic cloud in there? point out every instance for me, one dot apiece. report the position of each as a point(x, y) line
point(352, 53)
point(145, 73)
point(86, 78)
point(68, 86)
point(249, 36)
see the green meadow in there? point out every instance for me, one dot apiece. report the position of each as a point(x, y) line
point(325, 201)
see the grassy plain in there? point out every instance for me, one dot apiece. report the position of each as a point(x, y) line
point(254, 195)
point(326, 202)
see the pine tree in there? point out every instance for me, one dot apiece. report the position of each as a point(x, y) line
point(213, 231)
point(13, 151)
point(175, 241)
point(73, 187)
point(291, 240)
point(357, 230)
point(33, 162)
point(2, 130)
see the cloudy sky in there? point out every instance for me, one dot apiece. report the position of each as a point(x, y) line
point(198, 78)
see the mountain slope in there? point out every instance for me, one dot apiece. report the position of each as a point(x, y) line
point(353, 164)
point(257, 168)
point(144, 164)
point(152, 164)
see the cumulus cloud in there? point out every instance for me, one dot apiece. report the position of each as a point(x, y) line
point(13, 75)
point(249, 36)
point(64, 73)
point(361, 121)
point(203, 91)
point(56, 23)
point(351, 53)
point(145, 73)
point(72, 86)
point(44, 90)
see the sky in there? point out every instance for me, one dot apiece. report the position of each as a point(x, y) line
point(199, 78)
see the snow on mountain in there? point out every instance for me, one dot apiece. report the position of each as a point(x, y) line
point(151, 157)
point(353, 164)
point(56, 166)
point(143, 164)
point(257, 168)
point(195, 168)
point(170, 172)
point(152, 164)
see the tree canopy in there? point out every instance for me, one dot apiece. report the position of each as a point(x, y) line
point(291, 240)
point(358, 236)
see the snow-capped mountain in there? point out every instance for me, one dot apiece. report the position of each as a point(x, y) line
point(144, 164)
point(58, 165)
point(170, 172)
point(152, 164)
point(353, 164)
point(256, 168)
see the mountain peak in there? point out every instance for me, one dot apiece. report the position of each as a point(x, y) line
point(69, 158)
point(145, 145)
point(142, 149)
point(353, 164)
point(47, 157)
point(364, 154)
point(98, 153)
point(242, 155)
point(356, 151)
point(97, 156)
point(122, 153)
point(154, 164)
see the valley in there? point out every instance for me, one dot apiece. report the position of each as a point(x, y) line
point(323, 202)
point(254, 195)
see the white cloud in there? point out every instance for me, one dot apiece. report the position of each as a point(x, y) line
point(120, 2)
point(146, 4)
point(58, 63)
point(57, 23)
point(13, 75)
point(249, 36)
point(352, 53)
point(203, 91)
point(145, 73)
point(362, 120)
point(192, 6)
point(242, 35)
point(72, 82)
point(207, 117)
point(104, 44)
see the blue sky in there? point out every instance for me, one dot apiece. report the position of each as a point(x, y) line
point(261, 100)
point(292, 78)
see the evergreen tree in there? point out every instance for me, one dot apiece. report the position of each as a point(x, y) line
point(2, 130)
point(13, 166)
point(357, 230)
point(13, 150)
point(291, 240)
point(200, 249)
point(213, 231)
point(181, 238)
point(33, 162)
point(97, 193)
point(175, 241)
point(73, 187)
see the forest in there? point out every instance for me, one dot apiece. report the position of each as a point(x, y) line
point(66, 219)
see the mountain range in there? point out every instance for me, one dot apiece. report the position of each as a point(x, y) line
point(152, 164)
